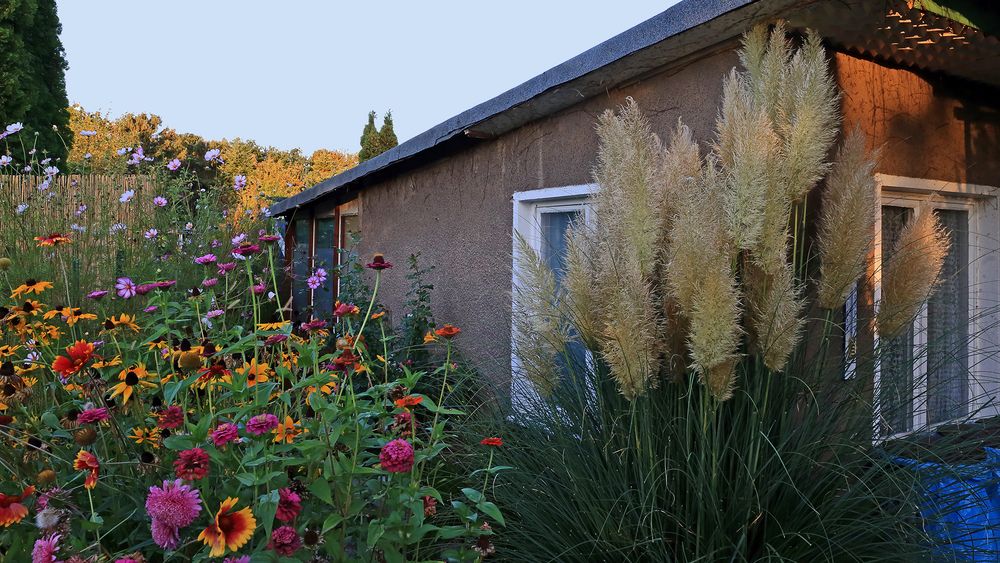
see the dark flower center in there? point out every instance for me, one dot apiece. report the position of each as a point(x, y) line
point(131, 378)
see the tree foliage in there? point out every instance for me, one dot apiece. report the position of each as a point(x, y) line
point(376, 141)
point(32, 74)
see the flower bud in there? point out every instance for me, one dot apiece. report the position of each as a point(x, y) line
point(85, 436)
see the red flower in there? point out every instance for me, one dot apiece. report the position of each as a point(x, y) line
point(448, 331)
point(345, 309)
point(378, 263)
point(493, 441)
point(86, 461)
point(192, 464)
point(285, 541)
point(79, 354)
point(170, 417)
point(430, 506)
point(409, 401)
point(53, 239)
point(11, 509)
point(289, 505)
point(230, 530)
point(247, 249)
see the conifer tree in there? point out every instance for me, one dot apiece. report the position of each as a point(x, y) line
point(369, 139)
point(386, 135)
point(32, 74)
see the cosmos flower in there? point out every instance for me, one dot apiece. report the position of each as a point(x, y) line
point(173, 165)
point(238, 239)
point(213, 155)
point(125, 288)
point(127, 196)
point(11, 509)
point(230, 529)
point(151, 234)
point(14, 128)
point(97, 294)
point(160, 201)
point(5, 160)
point(239, 182)
point(210, 282)
point(86, 461)
point(21, 208)
point(87, 133)
point(51, 171)
point(313, 282)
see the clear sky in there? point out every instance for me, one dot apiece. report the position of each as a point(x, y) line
point(305, 73)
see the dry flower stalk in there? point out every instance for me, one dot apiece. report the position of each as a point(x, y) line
point(540, 333)
point(847, 223)
point(912, 270)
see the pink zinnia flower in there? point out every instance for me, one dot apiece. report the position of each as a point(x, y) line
point(289, 505)
point(170, 417)
point(246, 249)
point(206, 259)
point(269, 238)
point(224, 434)
point(210, 282)
point(145, 288)
point(45, 549)
point(285, 541)
point(171, 507)
point(312, 325)
point(125, 288)
point(262, 424)
point(92, 416)
point(226, 267)
point(397, 456)
point(259, 289)
point(192, 464)
point(275, 339)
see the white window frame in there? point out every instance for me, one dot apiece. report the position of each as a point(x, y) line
point(984, 289)
point(528, 207)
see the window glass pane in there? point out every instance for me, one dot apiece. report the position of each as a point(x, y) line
point(324, 255)
point(554, 226)
point(300, 265)
point(948, 326)
point(896, 375)
point(349, 224)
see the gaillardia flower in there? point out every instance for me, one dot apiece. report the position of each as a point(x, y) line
point(230, 529)
point(78, 354)
point(11, 509)
point(86, 461)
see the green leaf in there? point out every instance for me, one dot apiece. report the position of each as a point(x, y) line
point(375, 531)
point(472, 494)
point(321, 488)
point(331, 522)
point(491, 510)
point(51, 420)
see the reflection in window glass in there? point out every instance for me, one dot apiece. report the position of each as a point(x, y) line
point(300, 265)
point(896, 376)
point(554, 226)
point(324, 256)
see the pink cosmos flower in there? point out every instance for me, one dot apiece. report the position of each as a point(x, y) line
point(95, 295)
point(45, 549)
point(92, 416)
point(313, 282)
point(238, 239)
point(151, 234)
point(285, 541)
point(289, 505)
point(224, 433)
point(262, 424)
point(215, 313)
point(150, 309)
point(213, 155)
point(174, 164)
point(171, 507)
point(125, 288)
point(206, 259)
point(397, 456)
point(239, 182)
point(210, 282)
point(160, 201)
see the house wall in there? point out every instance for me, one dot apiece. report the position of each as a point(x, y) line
point(457, 212)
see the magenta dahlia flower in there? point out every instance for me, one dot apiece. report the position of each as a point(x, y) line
point(45, 549)
point(171, 507)
point(397, 456)
point(289, 505)
point(285, 541)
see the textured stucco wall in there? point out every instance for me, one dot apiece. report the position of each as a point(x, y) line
point(457, 212)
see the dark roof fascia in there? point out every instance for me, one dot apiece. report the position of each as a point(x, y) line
point(678, 19)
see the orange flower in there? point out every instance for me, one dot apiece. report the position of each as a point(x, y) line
point(230, 529)
point(254, 372)
point(448, 331)
point(409, 401)
point(86, 461)
point(79, 353)
point(287, 431)
point(131, 381)
point(492, 441)
point(429, 337)
point(11, 509)
point(379, 315)
point(53, 240)
point(30, 286)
